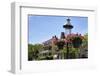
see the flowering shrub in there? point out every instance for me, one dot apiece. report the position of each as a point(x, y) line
point(60, 44)
point(74, 39)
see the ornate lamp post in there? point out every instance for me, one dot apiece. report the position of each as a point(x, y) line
point(68, 28)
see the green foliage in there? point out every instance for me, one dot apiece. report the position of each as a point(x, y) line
point(38, 47)
point(45, 57)
point(47, 47)
point(73, 52)
point(77, 41)
point(85, 41)
point(60, 44)
point(30, 51)
point(33, 51)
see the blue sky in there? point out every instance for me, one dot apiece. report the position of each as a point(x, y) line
point(42, 28)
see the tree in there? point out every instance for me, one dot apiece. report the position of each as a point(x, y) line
point(33, 51)
point(30, 51)
point(85, 41)
point(84, 48)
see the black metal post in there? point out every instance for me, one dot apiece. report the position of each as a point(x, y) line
point(67, 51)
